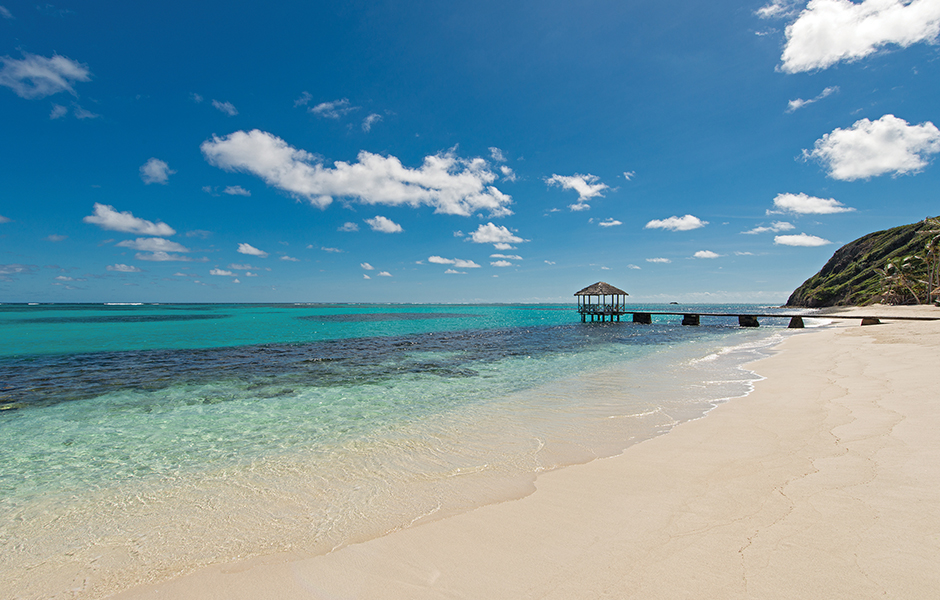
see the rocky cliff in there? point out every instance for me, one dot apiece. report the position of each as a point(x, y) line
point(850, 278)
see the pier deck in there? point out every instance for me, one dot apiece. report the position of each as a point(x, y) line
point(749, 319)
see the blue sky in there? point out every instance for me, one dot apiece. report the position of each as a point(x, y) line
point(456, 152)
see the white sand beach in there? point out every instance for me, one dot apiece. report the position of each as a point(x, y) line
point(822, 483)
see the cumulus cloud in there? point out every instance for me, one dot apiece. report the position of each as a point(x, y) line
point(290, 258)
point(506, 256)
point(384, 274)
point(610, 223)
point(365, 276)
point(334, 109)
point(153, 244)
point(236, 190)
point(37, 76)
point(801, 239)
point(658, 260)
point(446, 182)
point(497, 235)
point(831, 31)
point(384, 225)
point(454, 272)
point(497, 155)
point(7, 271)
point(808, 205)
point(872, 148)
point(122, 268)
point(106, 217)
point(226, 107)
point(776, 226)
point(457, 262)
point(705, 254)
point(508, 174)
point(799, 103)
point(369, 121)
point(155, 171)
point(221, 273)
point(686, 223)
point(501, 263)
point(587, 187)
point(348, 227)
point(251, 250)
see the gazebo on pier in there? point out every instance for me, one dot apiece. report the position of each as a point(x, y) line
point(601, 301)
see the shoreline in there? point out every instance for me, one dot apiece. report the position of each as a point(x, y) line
point(823, 482)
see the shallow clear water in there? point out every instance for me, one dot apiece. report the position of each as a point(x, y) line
point(142, 441)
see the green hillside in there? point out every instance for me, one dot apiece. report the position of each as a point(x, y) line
point(851, 276)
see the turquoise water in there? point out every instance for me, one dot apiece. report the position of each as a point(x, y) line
point(142, 441)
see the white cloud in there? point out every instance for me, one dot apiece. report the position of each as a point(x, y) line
point(160, 256)
point(610, 223)
point(872, 148)
point(793, 105)
point(549, 262)
point(586, 186)
point(453, 272)
point(197, 98)
point(508, 174)
point(334, 109)
point(705, 254)
point(5, 13)
point(830, 31)
point(155, 171)
point(290, 258)
point(236, 280)
point(251, 250)
point(221, 273)
point(37, 76)
point(226, 107)
point(493, 234)
point(239, 267)
point(628, 175)
point(658, 260)
point(457, 262)
point(506, 256)
point(304, 99)
point(686, 223)
point(808, 205)
point(348, 227)
point(153, 244)
point(367, 266)
point(449, 184)
point(4, 219)
point(122, 268)
point(81, 113)
point(58, 111)
point(364, 276)
point(578, 206)
point(369, 121)
point(501, 263)
point(384, 274)
point(107, 218)
point(55, 238)
point(778, 9)
point(800, 240)
point(497, 155)
point(776, 226)
point(236, 190)
point(334, 250)
point(633, 267)
point(384, 225)
point(504, 246)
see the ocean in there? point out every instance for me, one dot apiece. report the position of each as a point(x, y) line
point(140, 442)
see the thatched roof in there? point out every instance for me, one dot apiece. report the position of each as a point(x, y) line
point(601, 289)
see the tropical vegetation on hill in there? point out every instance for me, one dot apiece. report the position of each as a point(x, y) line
point(896, 266)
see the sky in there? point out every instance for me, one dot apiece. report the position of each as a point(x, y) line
point(480, 151)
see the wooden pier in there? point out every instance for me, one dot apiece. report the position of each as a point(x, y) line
point(603, 302)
